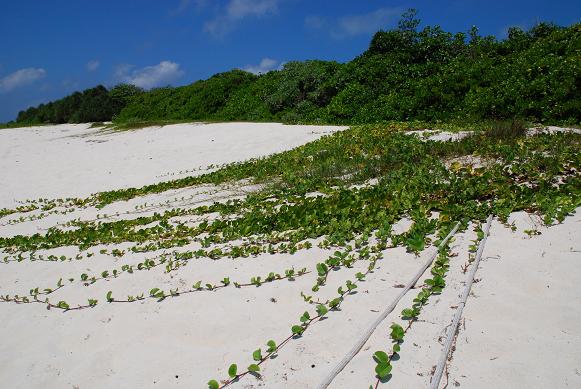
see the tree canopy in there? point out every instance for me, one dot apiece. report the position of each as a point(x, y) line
point(406, 73)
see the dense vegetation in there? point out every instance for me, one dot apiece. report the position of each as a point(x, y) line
point(92, 105)
point(406, 73)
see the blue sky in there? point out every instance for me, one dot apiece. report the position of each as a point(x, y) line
point(52, 48)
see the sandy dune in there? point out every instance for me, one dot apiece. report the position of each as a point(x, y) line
point(521, 327)
point(72, 160)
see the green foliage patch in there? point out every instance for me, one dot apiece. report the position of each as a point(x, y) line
point(406, 73)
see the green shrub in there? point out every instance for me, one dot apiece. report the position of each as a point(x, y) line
point(406, 74)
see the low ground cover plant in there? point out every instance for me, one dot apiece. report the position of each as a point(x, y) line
point(342, 193)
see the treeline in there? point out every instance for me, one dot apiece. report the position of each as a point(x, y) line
point(406, 73)
point(92, 105)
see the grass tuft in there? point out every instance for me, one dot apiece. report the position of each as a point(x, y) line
point(507, 130)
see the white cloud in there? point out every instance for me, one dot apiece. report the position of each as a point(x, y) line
point(148, 77)
point(368, 23)
point(352, 25)
point(266, 65)
point(20, 78)
point(93, 65)
point(237, 10)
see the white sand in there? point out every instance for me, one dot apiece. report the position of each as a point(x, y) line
point(444, 136)
point(522, 322)
point(72, 160)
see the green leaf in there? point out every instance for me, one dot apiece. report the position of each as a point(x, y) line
point(381, 357)
point(213, 384)
point(409, 312)
point(396, 348)
point(271, 346)
point(257, 355)
point(305, 317)
point(110, 298)
point(63, 305)
point(322, 310)
point(383, 370)
point(153, 292)
point(415, 243)
point(397, 332)
point(254, 368)
point(322, 269)
point(335, 302)
point(297, 330)
point(232, 370)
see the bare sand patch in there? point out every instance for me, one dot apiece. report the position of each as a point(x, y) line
point(63, 161)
